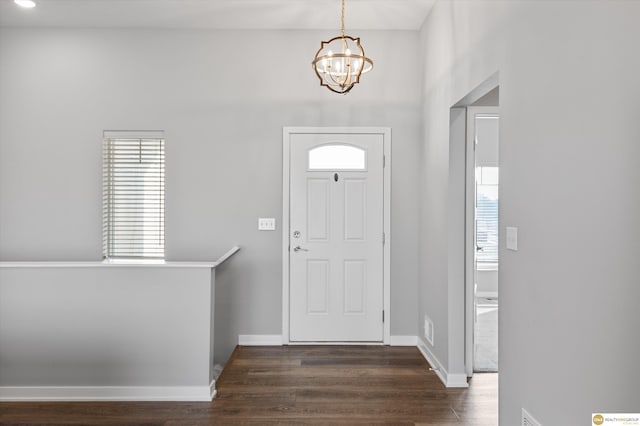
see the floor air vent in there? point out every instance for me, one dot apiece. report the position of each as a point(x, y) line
point(528, 420)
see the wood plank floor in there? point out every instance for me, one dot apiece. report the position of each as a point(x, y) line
point(291, 385)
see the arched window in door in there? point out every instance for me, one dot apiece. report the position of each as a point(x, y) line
point(337, 157)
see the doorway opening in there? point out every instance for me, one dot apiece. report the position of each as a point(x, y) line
point(473, 230)
point(482, 224)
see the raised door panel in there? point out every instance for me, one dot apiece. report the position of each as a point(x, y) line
point(355, 193)
point(355, 285)
point(318, 287)
point(318, 209)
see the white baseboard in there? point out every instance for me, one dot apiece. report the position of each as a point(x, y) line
point(276, 340)
point(212, 387)
point(449, 380)
point(260, 340)
point(457, 381)
point(490, 294)
point(217, 370)
point(108, 393)
point(403, 340)
point(393, 341)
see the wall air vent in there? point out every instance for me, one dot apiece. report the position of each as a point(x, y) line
point(428, 330)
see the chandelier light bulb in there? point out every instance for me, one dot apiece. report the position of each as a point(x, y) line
point(25, 3)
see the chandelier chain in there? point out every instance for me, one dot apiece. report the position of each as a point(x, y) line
point(342, 19)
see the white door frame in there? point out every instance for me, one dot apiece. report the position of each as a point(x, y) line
point(287, 132)
point(470, 232)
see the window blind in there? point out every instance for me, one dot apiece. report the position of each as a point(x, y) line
point(133, 197)
point(487, 215)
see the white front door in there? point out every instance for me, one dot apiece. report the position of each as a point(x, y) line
point(336, 238)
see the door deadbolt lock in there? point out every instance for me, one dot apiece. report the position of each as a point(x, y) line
point(296, 234)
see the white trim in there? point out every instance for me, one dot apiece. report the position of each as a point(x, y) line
point(286, 147)
point(449, 380)
point(212, 388)
point(470, 242)
point(108, 393)
point(233, 250)
point(482, 89)
point(433, 361)
point(386, 288)
point(319, 343)
point(260, 340)
point(110, 264)
point(120, 263)
point(286, 165)
point(403, 340)
point(457, 381)
point(469, 245)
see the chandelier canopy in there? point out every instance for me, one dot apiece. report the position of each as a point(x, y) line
point(341, 61)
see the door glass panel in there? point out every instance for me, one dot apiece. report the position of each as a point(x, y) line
point(337, 157)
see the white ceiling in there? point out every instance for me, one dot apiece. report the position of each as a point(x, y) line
point(219, 14)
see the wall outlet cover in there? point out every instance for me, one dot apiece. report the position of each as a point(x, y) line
point(266, 224)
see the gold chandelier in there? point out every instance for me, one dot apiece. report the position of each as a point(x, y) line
point(340, 62)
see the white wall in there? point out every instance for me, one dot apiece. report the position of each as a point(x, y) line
point(568, 158)
point(222, 98)
point(113, 332)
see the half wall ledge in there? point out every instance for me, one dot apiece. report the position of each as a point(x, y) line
point(116, 331)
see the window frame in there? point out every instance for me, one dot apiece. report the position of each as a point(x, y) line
point(133, 211)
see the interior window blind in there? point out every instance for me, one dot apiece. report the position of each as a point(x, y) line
point(133, 197)
point(487, 215)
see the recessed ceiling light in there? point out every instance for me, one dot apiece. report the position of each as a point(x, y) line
point(25, 3)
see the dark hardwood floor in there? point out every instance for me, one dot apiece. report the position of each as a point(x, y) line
point(289, 385)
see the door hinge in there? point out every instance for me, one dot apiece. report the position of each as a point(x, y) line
point(382, 316)
point(384, 238)
point(384, 161)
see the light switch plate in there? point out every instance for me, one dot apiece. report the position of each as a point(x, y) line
point(266, 224)
point(512, 238)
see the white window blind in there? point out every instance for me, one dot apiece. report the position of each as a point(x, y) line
point(487, 215)
point(133, 196)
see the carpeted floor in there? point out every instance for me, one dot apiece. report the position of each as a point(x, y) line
point(486, 336)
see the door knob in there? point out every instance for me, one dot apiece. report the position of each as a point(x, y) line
point(298, 248)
